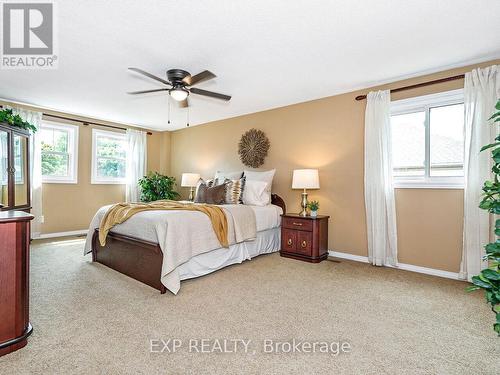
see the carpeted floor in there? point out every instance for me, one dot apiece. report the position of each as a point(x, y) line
point(89, 319)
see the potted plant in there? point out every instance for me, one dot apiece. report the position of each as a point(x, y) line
point(7, 115)
point(489, 278)
point(156, 186)
point(314, 207)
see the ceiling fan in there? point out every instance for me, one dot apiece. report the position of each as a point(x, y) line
point(179, 85)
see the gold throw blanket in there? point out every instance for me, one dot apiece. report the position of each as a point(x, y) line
point(121, 212)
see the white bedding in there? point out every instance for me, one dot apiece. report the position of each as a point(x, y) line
point(267, 241)
point(183, 235)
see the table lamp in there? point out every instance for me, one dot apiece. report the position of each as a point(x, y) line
point(190, 180)
point(305, 179)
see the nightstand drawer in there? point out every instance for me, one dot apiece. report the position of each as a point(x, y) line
point(304, 242)
point(296, 223)
point(288, 239)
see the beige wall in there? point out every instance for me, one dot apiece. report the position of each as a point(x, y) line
point(328, 134)
point(159, 152)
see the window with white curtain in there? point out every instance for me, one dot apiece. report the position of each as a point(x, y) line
point(59, 144)
point(428, 141)
point(109, 157)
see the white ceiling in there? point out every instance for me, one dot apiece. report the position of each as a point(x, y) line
point(265, 53)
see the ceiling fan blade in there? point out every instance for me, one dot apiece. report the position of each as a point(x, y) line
point(150, 76)
point(184, 103)
point(145, 91)
point(211, 94)
point(200, 77)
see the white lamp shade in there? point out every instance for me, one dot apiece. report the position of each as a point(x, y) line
point(305, 179)
point(190, 179)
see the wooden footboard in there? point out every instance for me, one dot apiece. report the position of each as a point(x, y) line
point(141, 260)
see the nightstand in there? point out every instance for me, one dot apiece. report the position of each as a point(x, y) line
point(304, 237)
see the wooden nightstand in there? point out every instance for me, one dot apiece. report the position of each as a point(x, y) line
point(304, 238)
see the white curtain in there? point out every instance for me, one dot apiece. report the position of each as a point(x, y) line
point(481, 91)
point(379, 193)
point(136, 162)
point(34, 118)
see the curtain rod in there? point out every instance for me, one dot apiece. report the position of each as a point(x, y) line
point(423, 84)
point(87, 122)
point(84, 122)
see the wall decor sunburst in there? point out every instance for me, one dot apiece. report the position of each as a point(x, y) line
point(253, 148)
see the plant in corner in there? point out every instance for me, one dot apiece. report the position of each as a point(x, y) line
point(156, 186)
point(489, 278)
point(6, 115)
point(314, 207)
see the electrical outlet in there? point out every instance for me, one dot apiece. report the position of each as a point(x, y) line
point(42, 219)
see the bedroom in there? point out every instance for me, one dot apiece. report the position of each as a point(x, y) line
point(376, 283)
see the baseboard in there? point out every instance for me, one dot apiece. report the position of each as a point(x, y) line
point(62, 234)
point(401, 266)
point(357, 258)
point(428, 271)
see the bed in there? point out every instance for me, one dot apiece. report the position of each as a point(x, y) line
point(134, 248)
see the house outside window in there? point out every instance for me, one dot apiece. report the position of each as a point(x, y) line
point(428, 141)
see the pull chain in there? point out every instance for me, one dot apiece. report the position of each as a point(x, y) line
point(169, 109)
point(187, 116)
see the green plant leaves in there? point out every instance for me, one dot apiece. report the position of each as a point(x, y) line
point(155, 186)
point(490, 274)
point(489, 278)
point(490, 146)
point(477, 280)
point(313, 205)
point(6, 115)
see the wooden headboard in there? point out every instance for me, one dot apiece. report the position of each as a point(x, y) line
point(278, 201)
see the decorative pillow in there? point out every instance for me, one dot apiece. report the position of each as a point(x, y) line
point(208, 183)
point(266, 176)
point(255, 193)
point(221, 177)
point(234, 191)
point(210, 195)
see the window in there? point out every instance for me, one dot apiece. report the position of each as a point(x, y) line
point(109, 153)
point(59, 143)
point(428, 141)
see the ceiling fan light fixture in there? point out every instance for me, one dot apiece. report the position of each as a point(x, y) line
point(179, 93)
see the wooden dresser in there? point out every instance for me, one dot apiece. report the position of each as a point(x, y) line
point(14, 280)
point(304, 237)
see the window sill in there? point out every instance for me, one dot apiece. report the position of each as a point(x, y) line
point(93, 182)
point(428, 185)
point(59, 181)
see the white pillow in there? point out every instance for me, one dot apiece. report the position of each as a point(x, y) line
point(266, 176)
point(220, 176)
point(255, 193)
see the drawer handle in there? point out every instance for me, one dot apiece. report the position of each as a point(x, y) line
point(299, 224)
point(303, 244)
point(289, 242)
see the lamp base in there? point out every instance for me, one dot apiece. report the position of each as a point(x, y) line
point(191, 194)
point(303, 204)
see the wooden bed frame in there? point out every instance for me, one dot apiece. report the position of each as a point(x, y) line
point(138, 259)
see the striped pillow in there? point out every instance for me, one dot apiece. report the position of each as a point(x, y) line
point(234, 190)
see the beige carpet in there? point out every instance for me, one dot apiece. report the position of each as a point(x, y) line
point(89, 319)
